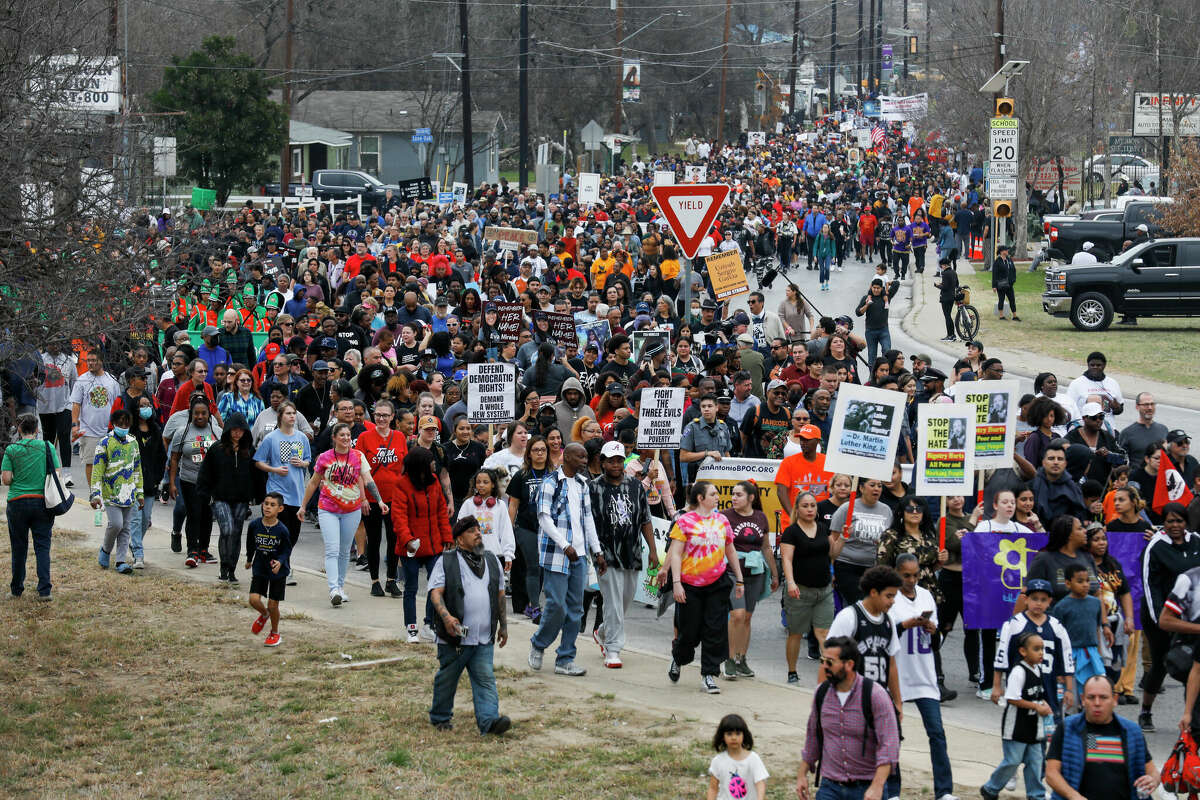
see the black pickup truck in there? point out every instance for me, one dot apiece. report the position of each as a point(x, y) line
point(341, 184)
point(1159, 278)
point(1108, 235)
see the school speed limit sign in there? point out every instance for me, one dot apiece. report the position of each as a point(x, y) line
point(1003, 147)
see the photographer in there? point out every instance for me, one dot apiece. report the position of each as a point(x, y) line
point(1099, 438)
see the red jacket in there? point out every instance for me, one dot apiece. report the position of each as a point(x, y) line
point(420, 514)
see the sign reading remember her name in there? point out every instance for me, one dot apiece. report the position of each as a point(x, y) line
point(660, 418)
point(491, 395)
point(562, 328)
point(946, 448)
point(995, 419)
point(510, 318)
point(865, 432)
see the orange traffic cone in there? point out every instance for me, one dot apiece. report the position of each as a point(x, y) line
point(977, 250)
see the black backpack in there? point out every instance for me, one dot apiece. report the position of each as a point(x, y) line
point(868, 712)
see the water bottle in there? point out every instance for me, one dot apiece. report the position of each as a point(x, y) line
point(98, 518)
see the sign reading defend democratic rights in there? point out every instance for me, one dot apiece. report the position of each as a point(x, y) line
point(660, 418)
point(491, 395)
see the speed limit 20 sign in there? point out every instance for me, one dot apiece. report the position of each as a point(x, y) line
point(1003, 147)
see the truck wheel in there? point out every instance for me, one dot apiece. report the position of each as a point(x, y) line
point(1092, 312)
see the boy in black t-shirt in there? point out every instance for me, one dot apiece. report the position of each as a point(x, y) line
point(268, 548)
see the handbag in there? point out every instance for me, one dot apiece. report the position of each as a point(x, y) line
point(58, 499)
point(1179, 658)
point(1181, 771)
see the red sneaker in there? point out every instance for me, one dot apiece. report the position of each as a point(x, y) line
point(259, 623)
point(273, 640)
point(191, 560)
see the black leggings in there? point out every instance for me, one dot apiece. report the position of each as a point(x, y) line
point(703, 621)
point(919, 258)
point(947, 311)
point(1006, 292)
point(379, 525)
point(971, 650)
point(845, 582)
point(1157, 643)
point(948, 611)
point(199, 519)
point(58, 427)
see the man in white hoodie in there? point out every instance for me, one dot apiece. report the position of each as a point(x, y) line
point(571, 407)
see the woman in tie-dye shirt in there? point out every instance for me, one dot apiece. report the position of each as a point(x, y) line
point(701, 557)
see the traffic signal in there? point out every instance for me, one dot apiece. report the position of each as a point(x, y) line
point(1005, 107)
point(1002, 208)
point(912, 45)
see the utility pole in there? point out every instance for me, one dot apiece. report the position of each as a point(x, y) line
point(858, 71)
point(907, 45)
point(465, 77)
point(928, 37)
point(832, 52)
point(879, 45)
point(998, 38)
point(724, 74)
point(618, 116)
point(1163, 142)
point(871, 49)
point(285, 157)
point(795, 56)
point(523, 97)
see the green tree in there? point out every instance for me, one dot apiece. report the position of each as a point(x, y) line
point(230, 129)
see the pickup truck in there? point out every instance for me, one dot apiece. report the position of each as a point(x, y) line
point(341, 184)
point(1158, 278)
point(1066, 236)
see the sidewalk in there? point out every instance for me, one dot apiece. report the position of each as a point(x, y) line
point(924, 323)
point(776, 713)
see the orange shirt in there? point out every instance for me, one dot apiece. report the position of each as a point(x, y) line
point(601, 269)
point(669, 268)
point(801, 475)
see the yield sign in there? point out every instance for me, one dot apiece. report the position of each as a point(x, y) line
point(690, 210)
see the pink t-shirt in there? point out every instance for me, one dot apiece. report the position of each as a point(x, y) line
point(339, 481)
point(704, 541)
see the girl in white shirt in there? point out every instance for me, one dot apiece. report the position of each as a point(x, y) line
point(494, 523)
point(736, 772)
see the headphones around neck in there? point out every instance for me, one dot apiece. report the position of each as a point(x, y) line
point(480, 501)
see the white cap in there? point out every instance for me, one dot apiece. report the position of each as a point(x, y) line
point(1088, 245)
point(1091, 409)
point(612, 449)
point(1143, 228)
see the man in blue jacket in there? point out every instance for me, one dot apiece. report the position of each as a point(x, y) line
point(813, 222)
point(1097, 754)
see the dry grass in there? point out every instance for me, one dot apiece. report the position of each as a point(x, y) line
point(153, 687)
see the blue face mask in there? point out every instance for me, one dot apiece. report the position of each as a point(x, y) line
point(146, 412)
point(120, 432)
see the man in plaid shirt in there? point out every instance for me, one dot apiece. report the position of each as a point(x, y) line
point(236, 340)
point(567, 532)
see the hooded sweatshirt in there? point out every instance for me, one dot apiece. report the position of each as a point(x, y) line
point(568, 414)
point(229, 476)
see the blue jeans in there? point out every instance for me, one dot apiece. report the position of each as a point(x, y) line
point(833, 791)
point(28, 516)
point(337, 530)
point(878, 341)
point(1015, 754)
point(139, 523)
point(477, 660)
point(931, 717)
point(563, 610)
point(823, 264)
point(412, 571)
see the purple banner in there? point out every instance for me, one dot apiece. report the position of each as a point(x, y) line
point(1126, 547)
point(994, 567)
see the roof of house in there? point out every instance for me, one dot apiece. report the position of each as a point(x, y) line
point(307, 133)
point(387, 111)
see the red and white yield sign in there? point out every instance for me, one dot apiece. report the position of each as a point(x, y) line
point(690, 209)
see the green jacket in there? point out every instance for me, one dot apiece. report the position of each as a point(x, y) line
point(824, 247)
point(117, 472)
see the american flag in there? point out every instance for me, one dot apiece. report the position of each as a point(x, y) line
point(877, 135)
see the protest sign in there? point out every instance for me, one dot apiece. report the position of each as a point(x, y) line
point(491, 393)
point(724, 474)
point(509, 238)
point(995, 419)
point(646, 592)
point(945, 449)
point(638, 341)
point(900, 109)
point(562, 328)
point(695, 173)
point(664, 177)
point(756, 138)
point(589, 187)
point(865, 432)
point(510, 319)
point(593, 333)
point(994, 569)
point(660, 418)
point(727, 274)
point(460, 192)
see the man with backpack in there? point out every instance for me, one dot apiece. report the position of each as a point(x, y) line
point(852, 739)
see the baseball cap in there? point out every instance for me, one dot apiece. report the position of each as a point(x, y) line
point(329, 343)
point(745, 338)
point(643, 308)
point(612, 450)
point(442, 302)
point(428, 421)
point(135, 372)
point(1178, 435)
point(922, 357)
point(1038, 585)
point(615, 388)
point(320, 366)
point(1093, 409)
point(776, 384)
point(1143, 228)
point(210, 330)
point(810, 431)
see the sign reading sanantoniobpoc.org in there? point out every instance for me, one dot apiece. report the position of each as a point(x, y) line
point(491, 393)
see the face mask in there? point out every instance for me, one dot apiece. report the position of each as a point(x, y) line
point(121, 432)
point(146, 412)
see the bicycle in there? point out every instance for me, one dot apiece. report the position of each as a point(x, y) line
point(966, 317)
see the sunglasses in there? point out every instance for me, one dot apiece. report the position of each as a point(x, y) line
point(914, 509)
point(828, 661)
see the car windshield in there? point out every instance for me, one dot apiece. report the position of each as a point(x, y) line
point(1122, 259)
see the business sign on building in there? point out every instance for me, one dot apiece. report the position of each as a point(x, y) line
point(90, 85)
point(1147, 108)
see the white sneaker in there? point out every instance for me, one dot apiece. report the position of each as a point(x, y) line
point(427, 633)
point(535, 658)
point(612, 660)
point(413, 638)
point(1011, 786)
point(335, 598)
point(953, 797)
point(342, 592)
point(69, 482)
point(139, 564)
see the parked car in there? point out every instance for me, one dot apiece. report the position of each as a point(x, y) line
point(1066, 236)
point(342, 184)
point(1158, 278)
point(1128, 168)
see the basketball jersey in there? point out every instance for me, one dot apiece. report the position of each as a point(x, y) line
point(1023, 724)
point(874, 642)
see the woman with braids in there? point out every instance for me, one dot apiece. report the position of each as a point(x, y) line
point(345, 484)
